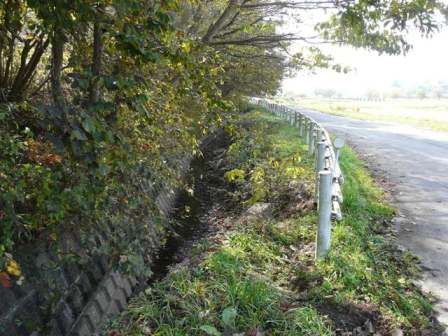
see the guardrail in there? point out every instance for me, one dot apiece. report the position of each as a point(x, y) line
point(329, 178)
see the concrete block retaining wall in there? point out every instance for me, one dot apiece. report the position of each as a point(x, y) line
point(90, 296)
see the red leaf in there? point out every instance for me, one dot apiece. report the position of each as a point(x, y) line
point(114, 333)
point(5, 280)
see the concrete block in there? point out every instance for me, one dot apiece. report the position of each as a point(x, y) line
point(83, 327)
point(103, 299)
point(109, 285)
point(113, 310)
point(93, 313)
point(64, 317)
point(127, 286)
point(117, 279)
point(120, 299)
point(84, 285)
point(76, 300)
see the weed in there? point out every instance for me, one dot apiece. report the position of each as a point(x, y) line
point(263, 275)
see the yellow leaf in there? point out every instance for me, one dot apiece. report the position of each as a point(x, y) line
point(13, 268)
point(186, 47)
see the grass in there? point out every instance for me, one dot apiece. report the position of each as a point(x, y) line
point(367, 267)
point(262, 276)
point(423, 113)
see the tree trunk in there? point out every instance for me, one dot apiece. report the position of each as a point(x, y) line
point(57, 53)
point(94, 93)
point(26, 70)
point(215, 27)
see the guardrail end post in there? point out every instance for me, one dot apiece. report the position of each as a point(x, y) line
point(323, 239)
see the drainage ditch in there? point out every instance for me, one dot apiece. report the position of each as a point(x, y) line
point(199, 206)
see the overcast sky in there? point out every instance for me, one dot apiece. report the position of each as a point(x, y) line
point(427, 62)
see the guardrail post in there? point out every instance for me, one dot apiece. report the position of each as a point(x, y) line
point(324, 230)
point(320, 165)
point(328, 193)
point(306, 131)
point(312, 144)
point(338, 144)
point(320, 160)
point(310, 133)
point(321, 135)
point(317, 137)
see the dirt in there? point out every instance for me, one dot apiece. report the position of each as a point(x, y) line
point(351, 319)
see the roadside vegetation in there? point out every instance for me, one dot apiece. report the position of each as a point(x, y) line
point(261, 278)
point(423, 113)
point(102, 102)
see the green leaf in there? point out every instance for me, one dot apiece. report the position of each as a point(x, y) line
point(229, 316)
point(210, 330)
point(88, 125)
point(79, 135)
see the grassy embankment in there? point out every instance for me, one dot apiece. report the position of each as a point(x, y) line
point(423, 113)
point(262, 275)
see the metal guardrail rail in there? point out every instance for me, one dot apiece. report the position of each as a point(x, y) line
point(329, 178)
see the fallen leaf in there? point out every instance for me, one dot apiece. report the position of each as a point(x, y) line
point(5, 280)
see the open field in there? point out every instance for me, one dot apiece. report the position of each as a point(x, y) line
point(422, 113)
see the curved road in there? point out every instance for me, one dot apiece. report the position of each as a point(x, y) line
point(416, 163)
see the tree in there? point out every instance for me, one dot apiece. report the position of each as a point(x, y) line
point(98, 96)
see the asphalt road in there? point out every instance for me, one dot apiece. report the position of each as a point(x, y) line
point(416, 164)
